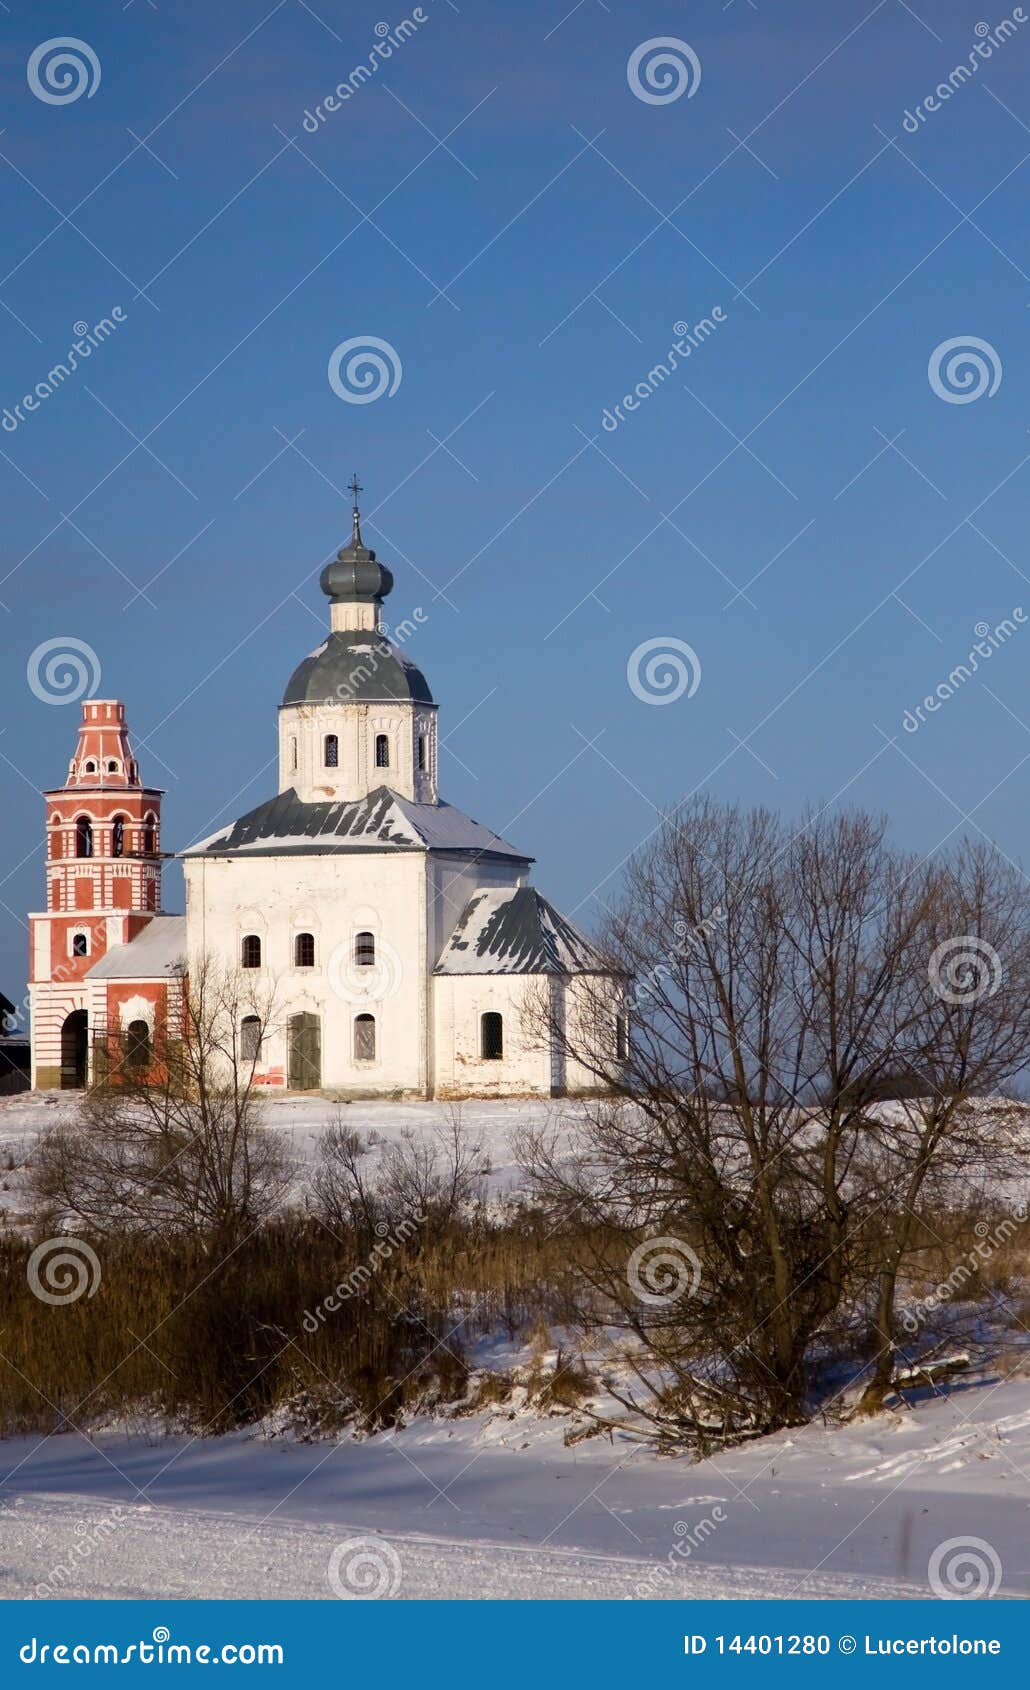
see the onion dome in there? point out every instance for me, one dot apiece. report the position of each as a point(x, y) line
point(354, 576)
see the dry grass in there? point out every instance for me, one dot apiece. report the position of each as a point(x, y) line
point(209, 1344)
point(976, 1255)
point(279, 1331)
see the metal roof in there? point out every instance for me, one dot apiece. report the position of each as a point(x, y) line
point(381, 821)
point(357, 666)
point(154, 954)
point(516, 931)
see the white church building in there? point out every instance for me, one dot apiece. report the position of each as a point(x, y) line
point(400, 945)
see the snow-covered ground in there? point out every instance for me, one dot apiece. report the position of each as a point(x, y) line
point(491, 1125)
point(498, 1507)
point(495, 1504)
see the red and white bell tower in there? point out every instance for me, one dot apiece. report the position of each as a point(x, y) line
point(103, 869)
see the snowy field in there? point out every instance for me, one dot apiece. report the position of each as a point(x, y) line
point(494, 1504)
point(301, 1120)
point(493, 1508)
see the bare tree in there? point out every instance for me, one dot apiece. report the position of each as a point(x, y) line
point(170, 1137)
point(437, 1179)
point(971, 986)
point(780, 992)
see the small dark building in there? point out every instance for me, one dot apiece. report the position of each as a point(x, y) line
point(14, 1052)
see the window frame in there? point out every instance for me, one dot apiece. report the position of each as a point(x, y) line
point(365, 1020)
point(298, 940)
point(364, 949)
point(247, 944)
point(139, 1051)
point(331, 744)
point(495, 1020)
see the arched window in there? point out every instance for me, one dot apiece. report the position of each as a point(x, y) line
point(621, 1038)
point(293, 753)
point(304, 950)
point(364, 1038)
point(250, 1038)
point(421, 751)
point(149, 837)
point(117, 837)
point(491, 1036)
point(91, 767)
point(364, 950)
point(137, 1045)
point(331, 756)
point(112, 767)
point(83, 837)
point(382, 752)
point(250, 954)
point(80, 945)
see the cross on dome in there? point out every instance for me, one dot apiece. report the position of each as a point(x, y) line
point(355, 488)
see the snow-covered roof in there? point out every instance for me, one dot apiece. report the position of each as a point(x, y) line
point(152, 955)
point(383, 820)
point(516, 931)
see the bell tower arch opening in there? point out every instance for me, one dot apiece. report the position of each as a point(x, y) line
point(74, 1050)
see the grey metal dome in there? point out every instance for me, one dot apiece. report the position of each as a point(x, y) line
point(357, 666)
point(354, 576)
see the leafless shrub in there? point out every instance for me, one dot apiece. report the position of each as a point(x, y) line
point(436, 1181)
point(176, 1144)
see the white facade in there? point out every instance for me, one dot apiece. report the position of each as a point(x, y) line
point(394, 946)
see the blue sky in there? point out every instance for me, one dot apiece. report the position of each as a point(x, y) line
point(502, 157)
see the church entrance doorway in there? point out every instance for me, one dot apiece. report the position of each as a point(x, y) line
point(74, 1034)
point(304, 1035)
